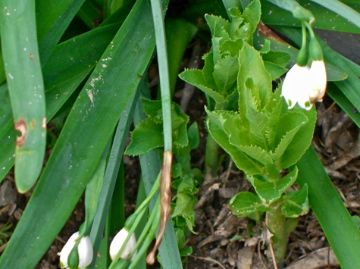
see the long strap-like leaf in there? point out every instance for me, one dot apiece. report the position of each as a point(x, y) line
point(83, 139)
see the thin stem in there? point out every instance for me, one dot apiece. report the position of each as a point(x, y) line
point(162, 58)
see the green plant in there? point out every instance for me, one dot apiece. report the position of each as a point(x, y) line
point(264, 136)
point(82, 69)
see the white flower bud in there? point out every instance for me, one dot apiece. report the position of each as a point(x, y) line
point(117, 243)
point(85, 251)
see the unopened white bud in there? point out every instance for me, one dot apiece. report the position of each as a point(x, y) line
point(117, 245)
point(84, 248)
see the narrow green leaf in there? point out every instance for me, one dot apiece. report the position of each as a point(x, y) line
point(178, 35)
point(90, 14)
point(150, 167)
point(54, 18)
point(345, 104)
point(67, 67)
point(92, 194)
point(162, 58)
point(26, 88)
point(341, 9)
point(325, 19)
point(83, 139)
point(295, 8)
point(341, 232)
point(111, 173)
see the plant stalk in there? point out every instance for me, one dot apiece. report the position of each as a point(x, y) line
point(280, 227)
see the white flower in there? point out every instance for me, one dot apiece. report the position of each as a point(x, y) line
point(117, 243)
point(304, 85)
point(318, 74)
point(85, 251)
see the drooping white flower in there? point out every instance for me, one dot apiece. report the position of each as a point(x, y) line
point(296, 87)
point(318, 74)
point(118, 242)
point(304, 85)
point(84, 248)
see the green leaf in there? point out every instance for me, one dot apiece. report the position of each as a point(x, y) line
point(325, 19)
point(185, 200)
point(26, 88)
point(146, 136)
point(203, 79)
point(296, 203)
point(270, 192)
point(275, 70)
point(295, 142)
point(341, 9)
point(295, 8)
point(247, 204)
point(225, 73)
point(249, 60)
point(330, 211)
point(193, 135)
point(53, 19)
point(151, 128)
point(83, 140)
point(179, 33)
point(113, 166)
point(252, 15)
point(150, 166)
point(257, 153)
point(345, 104)
point(67, 67)
point(276, 63)
point(215, 125)
point(92, 194)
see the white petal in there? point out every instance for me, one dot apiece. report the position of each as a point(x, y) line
point(65, 252)
point(85, 250)
point(118, 242)
point(318, 80)
point(296, 86)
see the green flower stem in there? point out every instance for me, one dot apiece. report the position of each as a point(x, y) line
point(151, 194)
point(211, 158)
point(153, 220)
point(281, 228)
point(212, 152)
point(134, 220)
point(147, 236)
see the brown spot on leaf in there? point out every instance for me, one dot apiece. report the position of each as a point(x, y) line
point(33, 123)
point(31, 56)
point(20, 126)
